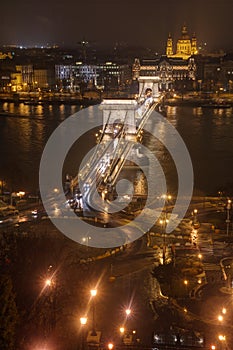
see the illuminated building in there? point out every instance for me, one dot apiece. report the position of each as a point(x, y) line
point(4, 55)
point(22, 78)
point(216, 73)
point(169, 49)
point(185, 47)
point(109, 74)
point(175, 70)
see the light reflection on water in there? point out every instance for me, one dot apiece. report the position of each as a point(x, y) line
point(208, 134)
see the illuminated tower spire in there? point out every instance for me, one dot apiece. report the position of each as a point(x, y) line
point(169, 48)
point(194, 50)
point(184, 32)
point(183, 46)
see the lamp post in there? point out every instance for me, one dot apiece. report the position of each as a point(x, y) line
point(49, 291)
point(110, 346)
point(228, 215)
point(222, 339)
point(186, 285)
point(122, 332)
point(85, 241)
point(195, 216)
point(164, 221)
point(128, 312)
point(224, 310)
point(93, 295)
point(2, 183)
point(83, 322)
point(163, 224)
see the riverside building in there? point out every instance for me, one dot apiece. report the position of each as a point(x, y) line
point(176, 69)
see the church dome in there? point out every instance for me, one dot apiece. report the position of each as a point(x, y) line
point(184, 32)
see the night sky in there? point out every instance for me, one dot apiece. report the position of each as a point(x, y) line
point(144, 23)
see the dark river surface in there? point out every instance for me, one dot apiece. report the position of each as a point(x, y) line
point(207, 133)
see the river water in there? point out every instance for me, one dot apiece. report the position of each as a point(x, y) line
point(208, 134)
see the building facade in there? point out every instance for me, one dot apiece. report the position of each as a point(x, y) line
point(107, 75)
point(174, 73)
point(176, 70)
point(185, 46)
point(215, 74)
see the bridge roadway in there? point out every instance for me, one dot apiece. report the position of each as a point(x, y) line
point(101, 171)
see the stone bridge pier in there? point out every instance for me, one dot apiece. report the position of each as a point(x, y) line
point(116, 112)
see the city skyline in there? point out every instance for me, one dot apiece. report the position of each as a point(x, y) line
point(105, 22)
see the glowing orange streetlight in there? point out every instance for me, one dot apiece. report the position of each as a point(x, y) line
point(93, 295)
point(48, 282)
point(93, 292)
point(224, 310)
point(122, 330)
point(83, 321)
point(222, 337)
point(128, 312)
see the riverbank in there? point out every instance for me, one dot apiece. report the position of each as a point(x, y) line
point(91, 98)
point(223, 100)
point(52, 98)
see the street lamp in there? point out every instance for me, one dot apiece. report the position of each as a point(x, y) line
point(110, 346)
point(83, 322)
point(224, 310)
point(222, 337)
point(168, 197)
point(195, 216)
point(128, 312)
point(122, 330)
point(48, 282)
point(186, 285)
point(85, 240)
point(2, 183)
point(93, 292)
point(49, 291)
point(93, 295)
point(163, 224)
point(228, 215)
point(220, 318)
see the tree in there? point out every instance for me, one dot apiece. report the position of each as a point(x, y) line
point(8, 313)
